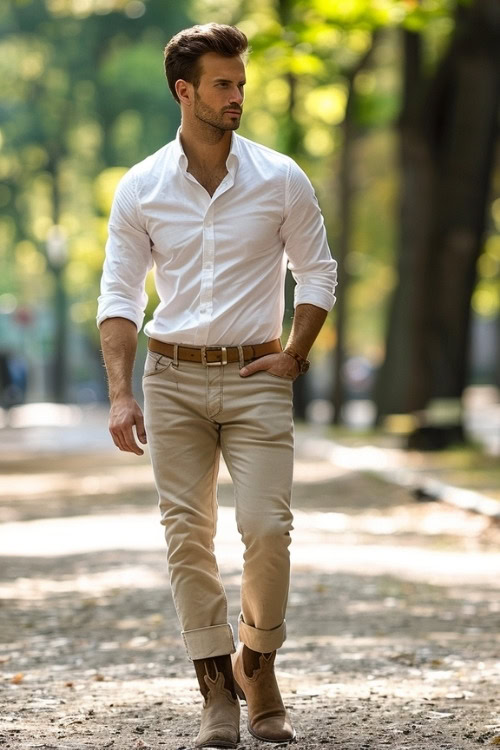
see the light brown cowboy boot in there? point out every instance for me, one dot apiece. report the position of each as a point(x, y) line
point(267, 716)
point(220, 716)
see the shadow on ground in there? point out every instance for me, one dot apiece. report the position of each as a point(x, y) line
point(378, 654)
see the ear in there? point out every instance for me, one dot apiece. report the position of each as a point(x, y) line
point(184, 91)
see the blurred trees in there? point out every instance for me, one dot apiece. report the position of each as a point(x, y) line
point(448, 131)
point(83, 96)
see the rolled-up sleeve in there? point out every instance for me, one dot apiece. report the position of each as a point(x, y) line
point(306, 245)
point(128, 258)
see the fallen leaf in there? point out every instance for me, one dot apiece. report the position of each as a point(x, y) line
point(18, 678)
point(69, 684)
point(156, 619)
point(99, 677)
point(320, 588)
point(495, 741)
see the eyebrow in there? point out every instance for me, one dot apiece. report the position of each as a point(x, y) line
point(226, 80)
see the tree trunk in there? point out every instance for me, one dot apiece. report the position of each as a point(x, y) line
point(391, 392)
point(346, 193)
point(465, 127)
point(447, 142)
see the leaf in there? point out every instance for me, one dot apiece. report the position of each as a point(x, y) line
point(17, 678)
point(436, 662)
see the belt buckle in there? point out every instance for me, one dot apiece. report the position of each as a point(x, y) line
point(204, 361)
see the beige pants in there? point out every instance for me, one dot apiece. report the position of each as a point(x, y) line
point(192, 412)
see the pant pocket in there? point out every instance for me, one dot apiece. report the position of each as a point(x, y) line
point(277, 377)
point(156, 364)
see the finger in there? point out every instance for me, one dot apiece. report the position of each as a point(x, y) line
point(114, 435)
point(129, 440)
point(126, 440)
point(115, 439)
point(141, 430)
point(118, 440)
point(258, 364)
point(250, 369)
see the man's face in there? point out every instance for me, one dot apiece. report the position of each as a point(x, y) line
point(218, 100)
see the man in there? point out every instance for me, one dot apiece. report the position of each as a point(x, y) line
point(218, 216)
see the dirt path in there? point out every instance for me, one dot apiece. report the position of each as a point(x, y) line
point(393, 621)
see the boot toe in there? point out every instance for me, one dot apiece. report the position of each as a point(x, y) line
point(218, 737)
point(273, 729)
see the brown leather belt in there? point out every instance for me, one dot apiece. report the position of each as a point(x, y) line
point(214, 355)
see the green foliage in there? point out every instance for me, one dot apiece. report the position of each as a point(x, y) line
point(83, 96)
point(80, 91)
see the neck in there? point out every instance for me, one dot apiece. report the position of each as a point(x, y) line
point(204, 145)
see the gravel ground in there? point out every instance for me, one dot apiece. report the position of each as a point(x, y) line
point(393, 637)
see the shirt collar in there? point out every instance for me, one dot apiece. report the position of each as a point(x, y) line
point(232, 161)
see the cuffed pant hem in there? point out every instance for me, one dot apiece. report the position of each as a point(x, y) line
point(203, 643)
point(259, 640)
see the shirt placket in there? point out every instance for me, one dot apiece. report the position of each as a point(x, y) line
point(207, 273)
point(208, 261)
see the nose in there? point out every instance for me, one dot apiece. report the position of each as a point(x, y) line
point(237, 96)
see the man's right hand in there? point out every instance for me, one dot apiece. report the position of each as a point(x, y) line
point(124, 415)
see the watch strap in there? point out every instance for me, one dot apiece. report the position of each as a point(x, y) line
point(302, 361)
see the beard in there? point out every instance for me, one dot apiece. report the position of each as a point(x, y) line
point(210, 116)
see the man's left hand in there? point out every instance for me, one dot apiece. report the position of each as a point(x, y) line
point(281, 365)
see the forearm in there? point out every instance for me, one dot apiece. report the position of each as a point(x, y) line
point(119, 346)
point(307, 323)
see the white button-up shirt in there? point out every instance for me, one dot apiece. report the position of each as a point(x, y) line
point(220, 261)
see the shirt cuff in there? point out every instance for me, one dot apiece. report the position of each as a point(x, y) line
point(313, 296)
point(120, 311)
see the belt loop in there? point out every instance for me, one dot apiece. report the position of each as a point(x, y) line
point(176, 355)
point(241, 357)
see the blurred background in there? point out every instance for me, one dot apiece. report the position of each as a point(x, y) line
point(390, 106)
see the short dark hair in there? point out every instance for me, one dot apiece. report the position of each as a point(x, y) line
point(184, 50)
